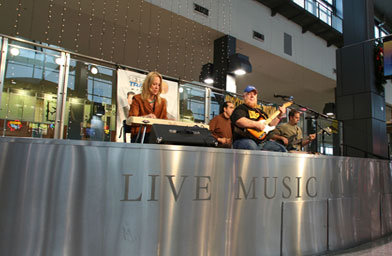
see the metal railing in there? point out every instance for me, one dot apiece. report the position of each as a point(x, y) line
point(208, 96)
point(322, 11)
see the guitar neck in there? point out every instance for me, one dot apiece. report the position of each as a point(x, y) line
point(272, 117)
point(276, 113)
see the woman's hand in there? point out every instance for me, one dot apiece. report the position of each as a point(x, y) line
point(152, 115)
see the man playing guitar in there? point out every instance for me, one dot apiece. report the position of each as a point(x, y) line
point(246, 118)
point(290, 134)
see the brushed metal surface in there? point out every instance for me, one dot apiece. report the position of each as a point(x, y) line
point(99, 198)
point(304, 227)
point(386, 214)
point(343, 223)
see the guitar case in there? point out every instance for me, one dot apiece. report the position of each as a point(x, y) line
point(181, 135)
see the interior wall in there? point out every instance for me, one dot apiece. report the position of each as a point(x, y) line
point(240, 18)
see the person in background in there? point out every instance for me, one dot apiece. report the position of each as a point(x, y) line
point(149, 103)
point(290, 134)
point(245, 117)
point(220, 126)
point(127, 107)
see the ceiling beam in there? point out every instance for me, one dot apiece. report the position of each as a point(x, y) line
point(276, 9)
point(298, 14)
point(322, 32)
point(306, 27)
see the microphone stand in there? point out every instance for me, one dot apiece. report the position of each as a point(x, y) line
point(323, 137)
point(316, 114)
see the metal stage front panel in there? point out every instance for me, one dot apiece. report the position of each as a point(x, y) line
point(61, 197)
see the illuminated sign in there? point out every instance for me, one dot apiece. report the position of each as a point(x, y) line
point(14, 125)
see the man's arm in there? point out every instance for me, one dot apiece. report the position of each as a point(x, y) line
point(213, 126)
point(276, 120)
point(244, 122)
point(306, 141)
point(279, 137)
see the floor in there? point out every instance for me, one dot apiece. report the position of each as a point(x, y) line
point(379, 247)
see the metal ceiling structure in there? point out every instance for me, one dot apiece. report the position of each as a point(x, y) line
point(307, 20)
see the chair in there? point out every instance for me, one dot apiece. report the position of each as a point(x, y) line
point(125, 129)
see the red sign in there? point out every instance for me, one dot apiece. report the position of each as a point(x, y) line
point(14, 125)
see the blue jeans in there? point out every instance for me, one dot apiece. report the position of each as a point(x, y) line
point(268, 145)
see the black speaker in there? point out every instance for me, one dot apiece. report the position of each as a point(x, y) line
point(181, 135)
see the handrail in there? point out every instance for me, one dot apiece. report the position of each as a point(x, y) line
point(329, 11)
point(366, 152)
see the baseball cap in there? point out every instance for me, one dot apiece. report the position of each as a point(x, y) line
point(250, 88)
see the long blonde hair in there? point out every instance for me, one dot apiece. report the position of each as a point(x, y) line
point(147, 84)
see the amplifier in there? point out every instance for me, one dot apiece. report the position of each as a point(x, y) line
point(181, 135)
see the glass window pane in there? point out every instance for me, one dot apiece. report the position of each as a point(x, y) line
point(376, 32)
point(192, 103)
point(29, 99)
point(90, 106)
point(217, 99)
point(299, 2)
point(325, 14)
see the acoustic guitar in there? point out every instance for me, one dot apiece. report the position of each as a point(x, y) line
point(260, 135)
point(293, 141)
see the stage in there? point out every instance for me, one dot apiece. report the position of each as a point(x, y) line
point(66, 197)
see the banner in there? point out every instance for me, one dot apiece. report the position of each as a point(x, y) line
point(269, 110)
point(130, 83)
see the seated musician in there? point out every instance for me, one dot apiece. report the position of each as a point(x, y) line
point(245, 117)
point(149, 103)
point(290, 134)
point(220, 125)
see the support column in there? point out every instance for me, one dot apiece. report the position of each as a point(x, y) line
point(360, 105)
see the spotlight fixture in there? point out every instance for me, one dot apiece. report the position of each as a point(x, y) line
point(329, 109)
point(94, 70)
point(14, 51)
point(239, 72)
point(239, 64)
point(99, 109)
point(207, 73)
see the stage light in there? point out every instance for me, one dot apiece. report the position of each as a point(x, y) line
point(239, 72)
point(99, 109)
point(329, 109)
point(239, 64)
point(14, 51)
point(207, 73)
point(209, 81)
point(94, 70)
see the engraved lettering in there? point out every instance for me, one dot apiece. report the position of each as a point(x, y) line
point(298, 186)
point(307, 187)
point(152, 195)
point(198, 187)
point(286, 186)
point(126, 189)
point(173, 188)
point(265, 187)
point(241, 185)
